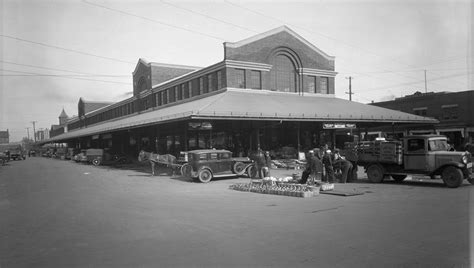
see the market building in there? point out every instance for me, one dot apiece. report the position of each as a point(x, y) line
point(454, 110)
point(274, 90)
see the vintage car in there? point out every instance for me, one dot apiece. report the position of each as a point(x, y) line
point(60, 153)
point(80, 156)
point(93, 156)
point(204, 165)
point(100, 156)
point(71, 152)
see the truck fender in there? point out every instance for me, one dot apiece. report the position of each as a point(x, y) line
point(452, 163)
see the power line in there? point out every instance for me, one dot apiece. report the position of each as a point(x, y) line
point(62, 48)
point(407, 71)
point(152, 20)
point(61, 70)
point(62, 76)
point(317, 33)
point(209, 17)
point(417, 82)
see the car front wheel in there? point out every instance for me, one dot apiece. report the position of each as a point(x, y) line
point(205, 175)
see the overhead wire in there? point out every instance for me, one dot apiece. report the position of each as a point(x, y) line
point(153, 20)
point(63, 48)
point(317, 33)
point(417, 82)
point(61, 70)
point(209, 17)
point(61, 76)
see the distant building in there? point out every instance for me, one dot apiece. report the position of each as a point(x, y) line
point(454, 110)
point(4, 136)
point(59, 129)
point(42, 134)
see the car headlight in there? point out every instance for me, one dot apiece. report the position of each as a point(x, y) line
point(464, 159)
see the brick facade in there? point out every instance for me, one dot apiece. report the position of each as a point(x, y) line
point(454, 110)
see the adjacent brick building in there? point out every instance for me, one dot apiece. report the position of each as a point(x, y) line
point(454, 110)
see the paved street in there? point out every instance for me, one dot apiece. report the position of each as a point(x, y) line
point(57, 213)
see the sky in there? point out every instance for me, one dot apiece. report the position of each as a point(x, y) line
point(55, 51)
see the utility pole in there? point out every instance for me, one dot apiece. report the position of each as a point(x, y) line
point(426, 88)
point(28, 132)
point(350, 88)
point(34, 130)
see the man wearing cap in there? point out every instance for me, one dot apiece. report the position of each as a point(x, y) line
point(327, 161)
point(342, 164)
point(313, 165)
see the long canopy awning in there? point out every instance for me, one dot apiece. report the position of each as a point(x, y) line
point(245, 104)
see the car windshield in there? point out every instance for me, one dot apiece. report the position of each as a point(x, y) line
point(438, 145)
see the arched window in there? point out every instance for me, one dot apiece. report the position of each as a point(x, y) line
point(283, 74)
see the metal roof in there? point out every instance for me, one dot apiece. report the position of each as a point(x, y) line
point(247, 104)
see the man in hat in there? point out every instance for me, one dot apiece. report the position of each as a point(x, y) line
point(327, 162)
point(313, 167)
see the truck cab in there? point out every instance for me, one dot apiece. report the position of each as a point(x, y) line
point(431, 155)
point(428, 155)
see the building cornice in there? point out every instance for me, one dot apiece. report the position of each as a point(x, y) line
point(248, 65)
point(275, 31)
point(318, 72)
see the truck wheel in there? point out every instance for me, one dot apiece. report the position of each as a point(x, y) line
point(375, 173)
point(398, 178)
point(205, 175)
point(96, 162)
point(452, 177)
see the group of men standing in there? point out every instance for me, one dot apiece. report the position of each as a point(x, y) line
point(322, 163)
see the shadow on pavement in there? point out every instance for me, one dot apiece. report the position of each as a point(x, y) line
point(408, 183)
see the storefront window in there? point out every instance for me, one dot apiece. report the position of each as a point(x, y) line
point(240, 78)
point(164, 96)
point(255, 80)
point(172, 94)
point(219, 80)
point(189, 92)
point(210, 83)
point(310, 84)
point(284, 74)
point(450, 112)
point(201, 85)
point(323, 85)
point(180, 92)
